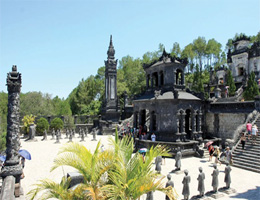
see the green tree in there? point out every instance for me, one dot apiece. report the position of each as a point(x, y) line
point(190, 55)
point(176, 50)
point(57, 123)
point(2, 141)
point(42, 125)
point(3, 111)
point(27, 121)
point(199, 47)
point(252, 89)
point(231, 83)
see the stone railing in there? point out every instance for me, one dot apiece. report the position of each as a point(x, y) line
point(8, 188)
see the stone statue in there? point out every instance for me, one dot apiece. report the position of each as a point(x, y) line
point(94, 134)
point(82, 137)
point(227, 178)
point(149, 195)
point(158, 163)
point(178, 159)
point(169, 183)
point(67, 133)
point(201, 185)
point(57, 137)
point(186, 187)
point(53, 134)
point(32, 130)
point(44, 135)
point(70, 137)
point(86, 131)
point(215, 178)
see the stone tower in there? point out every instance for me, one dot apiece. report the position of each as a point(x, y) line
point(110, 109)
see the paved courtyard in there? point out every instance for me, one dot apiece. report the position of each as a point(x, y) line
point(246, 184)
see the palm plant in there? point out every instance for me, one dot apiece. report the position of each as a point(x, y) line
point(91, 166)
point(130, 177)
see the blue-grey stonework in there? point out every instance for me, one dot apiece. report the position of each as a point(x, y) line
point(12, 165)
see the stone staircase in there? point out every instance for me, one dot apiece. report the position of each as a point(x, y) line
point(248, 159)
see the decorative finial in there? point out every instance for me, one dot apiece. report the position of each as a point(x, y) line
point(111, 50)
point(14, 68)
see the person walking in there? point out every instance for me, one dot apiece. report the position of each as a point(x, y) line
point(243, 140)
point(216, 154)
point(153, 137)
point(228, 155)
point(254, 133)
point(211, 151)
point(249, 129)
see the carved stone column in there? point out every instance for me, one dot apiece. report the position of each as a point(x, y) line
point(194, 125)
point(183, 127)
point(159, 79)
point(151, 77)
point(178, 134)
point(12, 164)
point(182, 79)
point(174, 78)
point(199, 125)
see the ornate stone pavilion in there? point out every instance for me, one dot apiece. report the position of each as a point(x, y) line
point(244, 59)
point(166, 108)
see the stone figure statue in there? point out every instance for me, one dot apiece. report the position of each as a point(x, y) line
point(67, 133)
point(227, 178)
point(178, 159)
point(186, 187)
point(149, 196)
point(70, 137)
point(94, 134)
point(201, 179)
point(44, 135)
point(57, 137)
point(53, 134)
point(82, 137)
point(158, 164)
point(32, 130)
point(215, 178)
point(86, 131)
point(169, 183)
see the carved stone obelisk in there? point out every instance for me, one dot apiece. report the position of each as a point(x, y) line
point(12, 165)
point(110, 109)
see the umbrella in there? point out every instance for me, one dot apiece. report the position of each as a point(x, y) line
point(143, 150)
point(2, 158)
point(24, 153)
point(209, 143)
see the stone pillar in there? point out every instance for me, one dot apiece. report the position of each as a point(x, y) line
point(183, 127)
point(151, 121)
point(194, 124)
point(147, 81)
point(174, 78)
point(12, 164)
point(178, 134)
point(151, 76)
point(199, 125)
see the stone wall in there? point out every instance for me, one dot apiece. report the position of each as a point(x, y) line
point(223, 125)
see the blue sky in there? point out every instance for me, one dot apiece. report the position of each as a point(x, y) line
point(56, 43)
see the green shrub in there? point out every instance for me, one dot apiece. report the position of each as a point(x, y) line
point(2, 141)
point(42, 124)
point(56, 123)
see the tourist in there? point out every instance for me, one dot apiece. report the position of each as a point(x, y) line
point(228, 155)
point(153, 137)
point(211, 151)
point(216, 154)
point(249, 129)
point(243, 140)
point(254, 133)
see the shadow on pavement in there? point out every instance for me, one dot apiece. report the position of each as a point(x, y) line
point(253, 194)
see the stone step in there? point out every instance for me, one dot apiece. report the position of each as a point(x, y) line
point(246, 168)
point(247, 161)
point(245, 155)
point(249, 147)
point(246, 158)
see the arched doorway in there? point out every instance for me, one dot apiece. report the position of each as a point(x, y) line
point(162, 78)
point(178, 77)
point(153, 121)
point(155, 79)
point(142, 118)
point(188, 124)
